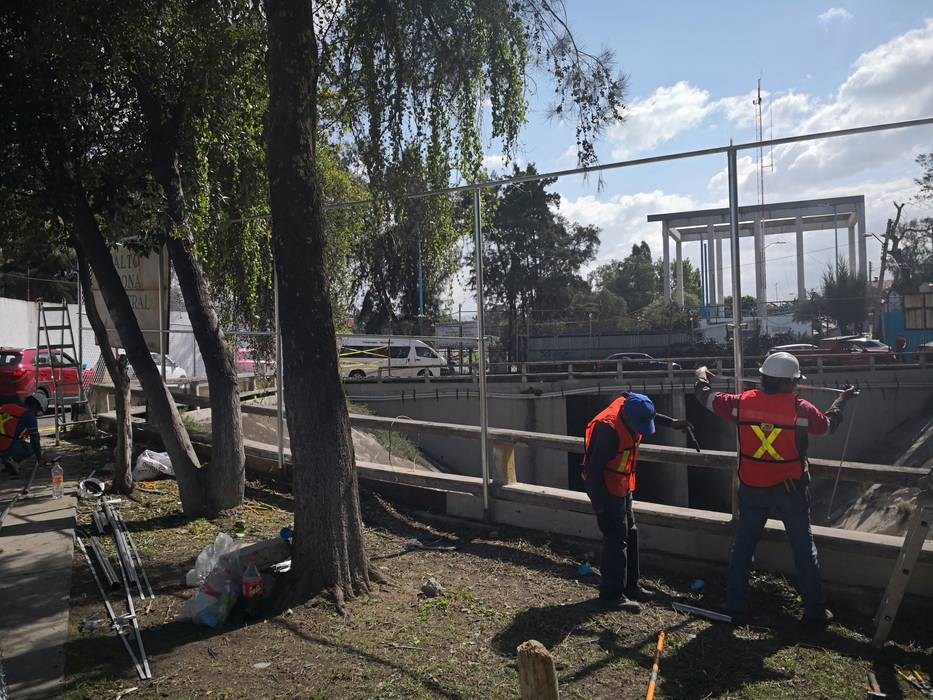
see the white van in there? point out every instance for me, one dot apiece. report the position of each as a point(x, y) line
point(365, 356)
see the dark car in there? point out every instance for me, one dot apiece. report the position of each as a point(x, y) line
point(635, 362)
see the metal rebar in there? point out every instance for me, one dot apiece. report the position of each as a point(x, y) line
point(140, 569)
point(126, 563)
point(103, 561)
point(113, 618)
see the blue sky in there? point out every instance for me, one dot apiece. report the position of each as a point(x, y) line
point(693, 69)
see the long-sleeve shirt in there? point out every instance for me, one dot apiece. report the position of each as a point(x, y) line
point(818, 423)
point(604, 445)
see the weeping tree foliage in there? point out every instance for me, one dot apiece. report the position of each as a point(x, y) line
point(412, 77)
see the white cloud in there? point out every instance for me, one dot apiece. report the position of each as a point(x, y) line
point(497, 162)
point(834, 14)
point(623, 219)
point(658, 118)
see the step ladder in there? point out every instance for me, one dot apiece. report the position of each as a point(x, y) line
point(918, 529)
point(62, 356)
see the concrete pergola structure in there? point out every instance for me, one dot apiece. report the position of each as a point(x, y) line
point(711, 226)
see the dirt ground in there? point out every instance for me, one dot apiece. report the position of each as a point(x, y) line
point(502, 587)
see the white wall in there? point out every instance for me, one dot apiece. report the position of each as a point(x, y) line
point(19, 323)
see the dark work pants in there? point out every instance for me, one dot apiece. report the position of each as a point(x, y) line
point(619, 566)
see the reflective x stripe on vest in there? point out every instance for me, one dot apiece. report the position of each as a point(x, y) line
point(767, 442)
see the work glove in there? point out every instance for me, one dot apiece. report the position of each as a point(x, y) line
point(849, 392)
point(704, 374)
point(681, 424)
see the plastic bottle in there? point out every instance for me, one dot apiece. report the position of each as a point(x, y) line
point(58, 481)
point(252, 590)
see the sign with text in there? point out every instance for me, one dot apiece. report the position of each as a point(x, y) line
point(140, 277)
point(449, 334)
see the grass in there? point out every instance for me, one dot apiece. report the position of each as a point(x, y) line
point(397, 444)
point(502, 587)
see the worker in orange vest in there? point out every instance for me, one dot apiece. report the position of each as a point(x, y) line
point(609, 462)
point(773, 429)
point(19, 423)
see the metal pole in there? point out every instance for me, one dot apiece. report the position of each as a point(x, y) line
point(736, 296)
point(80, 340)
point(420, 286)
point(279, 394)
point(481, 344)
point(162, 310)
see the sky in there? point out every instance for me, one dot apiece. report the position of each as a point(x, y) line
point(693, 68)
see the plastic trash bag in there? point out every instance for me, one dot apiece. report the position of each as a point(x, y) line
point(209, 558)
point(218, 575)
point(150, 465)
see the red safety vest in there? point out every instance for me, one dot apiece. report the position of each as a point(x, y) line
point(619, 473)
point(9, 419)
point(768, 453)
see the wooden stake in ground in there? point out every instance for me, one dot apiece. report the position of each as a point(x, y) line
point(652, 681)
point(536, 675)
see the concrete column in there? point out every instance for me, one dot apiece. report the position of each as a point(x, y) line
point(711, 263)
point(679, 482)
point(862, 242)
point(853, 252)
point(720, 265)
point(680, 274)
point(666, 263)
point(761, 276)
point(801, 282)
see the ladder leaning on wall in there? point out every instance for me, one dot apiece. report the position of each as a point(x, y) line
point(62, 356)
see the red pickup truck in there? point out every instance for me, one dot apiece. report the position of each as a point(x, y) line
point(25, 371)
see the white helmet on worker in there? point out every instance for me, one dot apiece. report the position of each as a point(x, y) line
point(781, 365)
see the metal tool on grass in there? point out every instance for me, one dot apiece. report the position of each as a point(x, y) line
point(656, 667)
point(114, 620)
point(701, 612)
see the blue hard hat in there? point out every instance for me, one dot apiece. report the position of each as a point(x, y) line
point(639, 413)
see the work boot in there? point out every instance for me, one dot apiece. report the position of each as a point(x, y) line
point(639, 593)
point(618, 603)
point(820, 621)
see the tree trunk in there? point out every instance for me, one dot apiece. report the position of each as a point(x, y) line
point(328, 547)
point(123, 457)
point(225, 480)
point(161, 404)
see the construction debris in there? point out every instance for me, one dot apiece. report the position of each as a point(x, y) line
point(431, 588)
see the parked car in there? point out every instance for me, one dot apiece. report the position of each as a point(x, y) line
point(635, 361)
point(174, 373)
point(24, 371)
point(368, 356)
point(249, 362)
point(840, 350)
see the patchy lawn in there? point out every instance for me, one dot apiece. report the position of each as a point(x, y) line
point(502, 587)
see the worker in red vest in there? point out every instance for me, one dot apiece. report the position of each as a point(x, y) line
point(611, 455)
point(774, 425)
point(19, 423)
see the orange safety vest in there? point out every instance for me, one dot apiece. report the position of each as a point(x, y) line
point(9, 419)
point(768, 452)
point(619, 473)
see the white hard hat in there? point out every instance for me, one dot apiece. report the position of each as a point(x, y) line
point(781, 365)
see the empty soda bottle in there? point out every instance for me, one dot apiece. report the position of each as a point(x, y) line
point(58, 481)
point(252, 590)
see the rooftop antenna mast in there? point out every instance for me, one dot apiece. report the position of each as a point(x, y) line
point(759, 134)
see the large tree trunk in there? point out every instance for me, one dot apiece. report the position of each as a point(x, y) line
point(161, 404)
point(328, 548)
point(227, 471)
point(123, 455)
